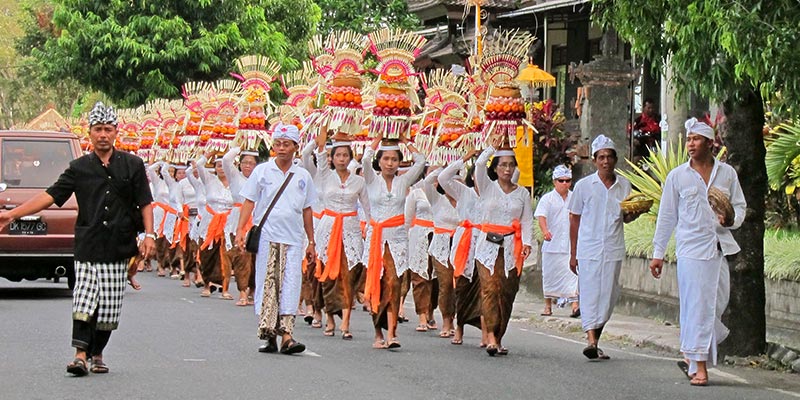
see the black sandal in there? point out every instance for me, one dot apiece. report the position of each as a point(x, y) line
point(590, 352)
point(346, 335)
point(292, 347)
point(77, 367)
point(98, 366)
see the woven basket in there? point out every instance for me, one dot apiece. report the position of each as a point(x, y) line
point(721, 205)
point(636, 203)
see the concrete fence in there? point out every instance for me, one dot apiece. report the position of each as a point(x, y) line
point(642, 295)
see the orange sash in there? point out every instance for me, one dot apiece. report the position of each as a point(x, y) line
point(462, 250)
point(181, 233)
point(216, 227)
point(318, 215)
point(516, 229)
point(363, 229)
point(372, 289)
point(425, 223)
point(438, 231)
point(167, 210)
point(335, 245)
point(249, 224)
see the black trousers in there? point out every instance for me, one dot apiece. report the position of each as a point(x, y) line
point(86, 337)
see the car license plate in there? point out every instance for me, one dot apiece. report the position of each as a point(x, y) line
point(22, 227)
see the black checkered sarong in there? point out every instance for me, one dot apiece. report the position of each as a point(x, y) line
point(98, 290)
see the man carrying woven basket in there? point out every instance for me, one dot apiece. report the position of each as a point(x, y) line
point(702, 202)
point(597, 241)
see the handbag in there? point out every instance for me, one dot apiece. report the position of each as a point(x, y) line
point(254, 234)
point(496, 238)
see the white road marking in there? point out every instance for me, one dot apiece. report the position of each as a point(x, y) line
point(311, 353)
point(726, 375)
point(194, 359)
point(187, 300)
point(786, 392)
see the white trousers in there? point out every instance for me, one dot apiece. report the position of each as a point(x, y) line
point(704, 287)
point(598, 284)
point(292, 278)
point(558, 282)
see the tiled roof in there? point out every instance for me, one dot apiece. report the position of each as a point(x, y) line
point(416, 5)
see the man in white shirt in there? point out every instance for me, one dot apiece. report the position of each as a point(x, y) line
point(703, 239)
point(597, 241)
point(280, 251)
point(558, 283)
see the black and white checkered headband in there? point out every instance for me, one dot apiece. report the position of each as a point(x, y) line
point(102, 114)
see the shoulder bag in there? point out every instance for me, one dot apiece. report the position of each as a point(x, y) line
point(254, 234)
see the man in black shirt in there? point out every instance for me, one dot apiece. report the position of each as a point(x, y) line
point(113, 205)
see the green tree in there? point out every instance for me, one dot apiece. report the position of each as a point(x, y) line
point(138, 50)
point(727, 51)
point(365, 16)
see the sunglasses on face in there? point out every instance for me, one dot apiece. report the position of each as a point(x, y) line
point(565, 180)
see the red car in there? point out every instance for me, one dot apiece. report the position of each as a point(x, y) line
point(40, 245)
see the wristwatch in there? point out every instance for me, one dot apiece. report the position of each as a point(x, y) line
point(151, 235)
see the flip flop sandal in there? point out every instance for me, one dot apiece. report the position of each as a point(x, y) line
point(316, 324)
point(684, 367)
point(502, 351)
point(346, 335)
point(199, 284)
point(379, 344)
point(421, 328)
point(601, 355)
point(491, 350)
point(393, 344)
point(576, 314)
point(186, 284)
point(98, 367)
point(136, 286)
point(698, 382)
point(205, 293)
point(547, 313)
point(444, 334)
point(241, 303)
point(226, 296)
point(590, 352)
point(328, 332)
point(77, 367)
point(457, 342)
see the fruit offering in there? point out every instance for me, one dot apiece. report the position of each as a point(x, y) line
point(343, 96)
point(391, 104)
point(504, 109)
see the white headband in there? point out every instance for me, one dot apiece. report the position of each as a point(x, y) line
point(389, 147)
point(344, 144)
point(505, 153)
point(700, 128)
point(250, 153)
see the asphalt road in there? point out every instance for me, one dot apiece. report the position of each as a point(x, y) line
point(173, 344)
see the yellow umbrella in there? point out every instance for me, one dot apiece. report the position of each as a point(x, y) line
point(536, 76)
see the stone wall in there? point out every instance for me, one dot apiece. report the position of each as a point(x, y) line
point(645, 296)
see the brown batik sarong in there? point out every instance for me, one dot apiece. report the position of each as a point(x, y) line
point(338, 294)
point(243, 267)
point(468, 301)
point(390, 291)
point(447, 300)
point(271, 323)
point(215, 265)
point(497, 295)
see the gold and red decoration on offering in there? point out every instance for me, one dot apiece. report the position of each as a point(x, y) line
point(497, 68)
point(396, 97)
point(443, 137)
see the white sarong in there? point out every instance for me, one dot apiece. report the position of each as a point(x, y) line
point(558, 282)
point(598, 284)
point(704, 287)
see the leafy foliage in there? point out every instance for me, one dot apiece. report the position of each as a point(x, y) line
point(551, 144)
point(716, 46)
point(365, 15)
point(783, 158)
point(649, 176)
point(138, 50)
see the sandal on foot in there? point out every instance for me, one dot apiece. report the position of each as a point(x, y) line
point(186, 284)
point(379, 344)
point(699, 381)
point(601, 355)
point(241, 302)
point(502, 351)
point(77, 367)
point(292, 347)
point(346, 335)
point(316, 324)
point(393, 344)
point(135, 285)
point(590, 352)
point(491, 350)
point(226, 296)
point(328, 332)
point(199, 284)
point(432, 325)
point(456, 342)
point(684, 366)
point(98, 366)
point(547, 312)
point(205, 293)
point(444, 334)
point(576, 314)
point(421, 328)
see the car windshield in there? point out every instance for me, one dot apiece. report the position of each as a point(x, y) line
point(29, 163)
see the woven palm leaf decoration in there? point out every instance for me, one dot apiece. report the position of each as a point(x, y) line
point(396, 96)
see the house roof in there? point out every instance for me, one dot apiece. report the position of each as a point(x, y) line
point(417, 5)
point(50, 120)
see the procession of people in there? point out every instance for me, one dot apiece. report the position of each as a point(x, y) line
point(393, 194)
